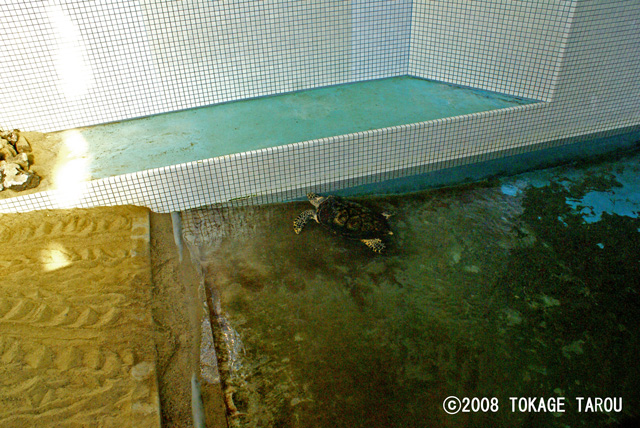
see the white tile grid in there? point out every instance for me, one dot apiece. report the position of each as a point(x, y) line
point(380, 38)
point(251, 49)
point(291, 168)
point(590, 62)
point(88, 65)
point(170, 45)
point(28, 44)
point(500, 45)
point(599, 88)
point(96, 62)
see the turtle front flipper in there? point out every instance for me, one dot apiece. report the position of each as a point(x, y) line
point(375, 244)
point(302, 219)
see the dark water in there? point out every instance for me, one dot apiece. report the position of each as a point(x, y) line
point(523, 287)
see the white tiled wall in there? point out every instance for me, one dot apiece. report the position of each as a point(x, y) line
point(581, 57)
point(509, 46)
point(81, 63)
point(75, 63)
point(380, 36)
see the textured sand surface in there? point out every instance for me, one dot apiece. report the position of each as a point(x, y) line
point(76, 331)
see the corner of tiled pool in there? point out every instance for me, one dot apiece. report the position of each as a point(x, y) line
point(519, 296)
point(234, 127)
point(163, 166)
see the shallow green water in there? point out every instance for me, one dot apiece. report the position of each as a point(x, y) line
point(505, 289)
point(235, 127)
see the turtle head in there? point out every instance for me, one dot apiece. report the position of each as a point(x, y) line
point(315, 199)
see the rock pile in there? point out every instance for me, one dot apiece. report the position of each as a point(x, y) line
point(15, 161)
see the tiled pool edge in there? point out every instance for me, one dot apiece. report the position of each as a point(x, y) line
point(287, 172)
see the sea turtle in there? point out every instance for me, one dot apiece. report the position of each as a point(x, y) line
point(346, 218)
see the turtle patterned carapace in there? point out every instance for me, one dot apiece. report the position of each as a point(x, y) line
point(346, 218)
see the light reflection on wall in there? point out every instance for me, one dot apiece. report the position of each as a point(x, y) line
point(72, 170)
point(75, 75)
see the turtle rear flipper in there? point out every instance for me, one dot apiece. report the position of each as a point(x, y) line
point(375, 244)
point(302, 219)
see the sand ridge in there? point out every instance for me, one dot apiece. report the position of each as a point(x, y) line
point(76, 332)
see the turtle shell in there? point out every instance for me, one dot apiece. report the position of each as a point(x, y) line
point(351, 219)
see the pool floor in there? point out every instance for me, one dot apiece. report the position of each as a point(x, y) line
point(235, 127)
point(520, 287)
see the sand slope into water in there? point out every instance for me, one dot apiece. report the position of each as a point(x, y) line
point(76, 345)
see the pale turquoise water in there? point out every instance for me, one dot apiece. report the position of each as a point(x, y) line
point(236, 127)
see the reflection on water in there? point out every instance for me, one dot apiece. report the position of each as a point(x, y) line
point(494, 290)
